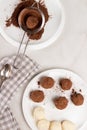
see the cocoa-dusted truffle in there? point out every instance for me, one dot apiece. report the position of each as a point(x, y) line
point(77, 98)
point(32, 22)
point(47, 82)
point(65, 84)
point(37, 96)
point(29, 19)
point(60, 102)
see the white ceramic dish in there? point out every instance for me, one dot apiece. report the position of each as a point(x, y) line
point(76, 114)
point(52, 31)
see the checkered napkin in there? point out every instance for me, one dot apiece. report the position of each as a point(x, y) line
point(19, 78)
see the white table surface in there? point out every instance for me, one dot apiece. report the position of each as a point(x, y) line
point(69, 51)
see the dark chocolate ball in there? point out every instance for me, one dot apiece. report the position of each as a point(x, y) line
point(47, 82)
point(60, 102)
point(32, 22)
point(77, 99)
point(65, 84)
point(37, 96)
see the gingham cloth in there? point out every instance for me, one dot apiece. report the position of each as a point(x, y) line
point(19, 78)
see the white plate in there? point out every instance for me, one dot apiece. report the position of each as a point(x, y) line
point(76, 114)
point(52, 31)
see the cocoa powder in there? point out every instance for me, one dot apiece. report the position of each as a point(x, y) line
point(23, 4)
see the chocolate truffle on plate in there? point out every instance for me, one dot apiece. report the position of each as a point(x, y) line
point(37, 95)
point(65, 84)
point(47, 82)
point(60, 102)
point(77, 98)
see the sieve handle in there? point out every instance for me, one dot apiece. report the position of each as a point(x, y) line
point(17, 55)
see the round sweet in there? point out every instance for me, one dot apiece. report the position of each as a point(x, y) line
point(60, 102)
point(38, 113)
point(37, 96)
point(77, 99)
point(65, 84)
point(47, 82)
point(32, 22)
point(68, 125)
point(43, 124)
point(55, 125)
point(29, 19)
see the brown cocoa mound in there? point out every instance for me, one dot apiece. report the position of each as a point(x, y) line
point(25, 4)
point(37, 96)
point(77, 99)
point(47, 82)
point(60, 102)
point(65, 84)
